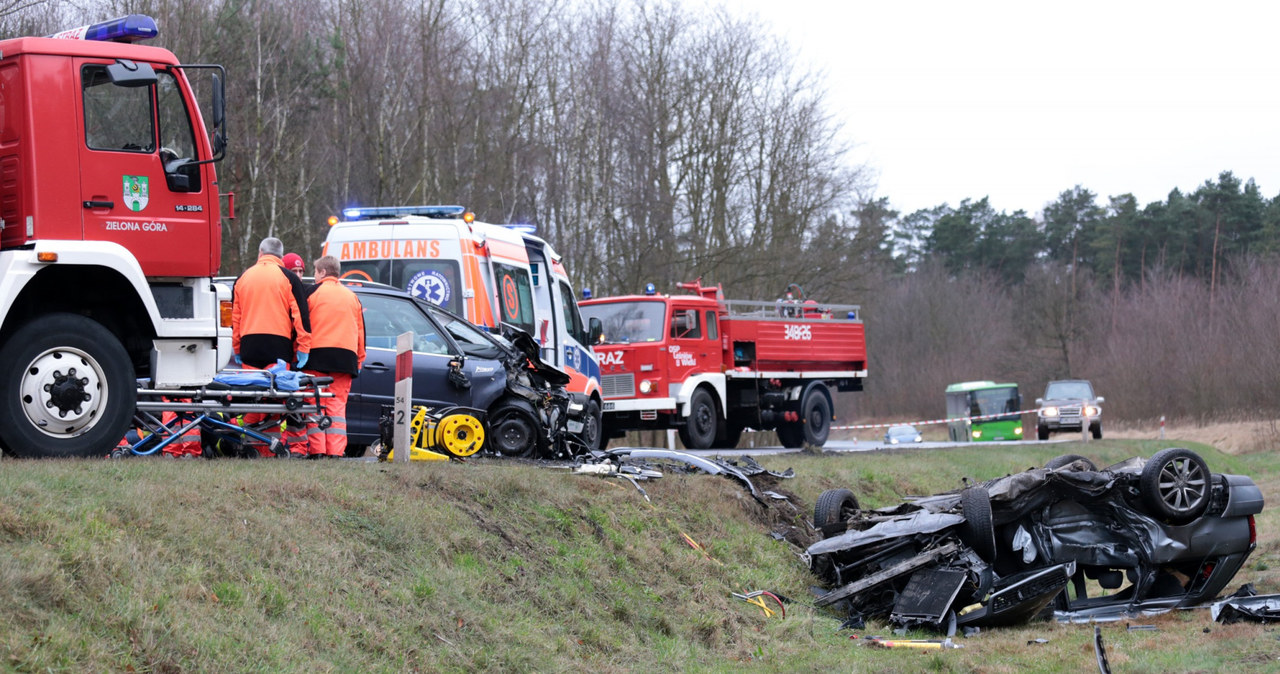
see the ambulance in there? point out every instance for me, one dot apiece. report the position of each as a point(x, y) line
point(489, 274)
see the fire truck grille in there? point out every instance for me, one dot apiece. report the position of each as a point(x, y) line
point(618, 385)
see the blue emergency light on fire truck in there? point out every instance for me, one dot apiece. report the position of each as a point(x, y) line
point(114, 285)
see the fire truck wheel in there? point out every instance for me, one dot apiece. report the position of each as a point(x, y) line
point(513, 428)
point(816, 417)
point(702, 424)
point(70, 388)
point(731, 435)
point(791, 435)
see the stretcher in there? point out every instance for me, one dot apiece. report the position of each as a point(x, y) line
point(213, 410)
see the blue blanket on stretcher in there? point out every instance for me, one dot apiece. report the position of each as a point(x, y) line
point(278, 377)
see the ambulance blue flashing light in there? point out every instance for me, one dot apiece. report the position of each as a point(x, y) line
point(523, 228)
point(375, 212)
point(586, 293)
point(131, 28)
point(650, 289)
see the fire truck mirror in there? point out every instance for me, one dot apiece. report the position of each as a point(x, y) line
point(595, 330)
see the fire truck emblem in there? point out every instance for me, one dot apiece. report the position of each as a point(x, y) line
point(137, 192)
point(431, 286)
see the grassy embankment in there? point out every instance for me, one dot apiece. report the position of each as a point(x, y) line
point(148, 565)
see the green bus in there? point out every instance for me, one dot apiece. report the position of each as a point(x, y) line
point(984, 398)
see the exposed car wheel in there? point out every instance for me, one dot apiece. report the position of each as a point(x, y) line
point(513, 428)
point(791, 435)
point(1096, 430)
point(1066, 459)
point(1042, 432)
point(815, 416)
point(978, 529)
point(701, 425)
point(69, 388)
point(592, 426)
point(1175, 485)
point(834, 507)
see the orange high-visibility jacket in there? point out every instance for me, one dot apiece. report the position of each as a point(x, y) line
point(337, 328)
point(269, 318)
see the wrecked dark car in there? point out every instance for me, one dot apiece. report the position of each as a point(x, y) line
point(521, 399)
point(1138, 537)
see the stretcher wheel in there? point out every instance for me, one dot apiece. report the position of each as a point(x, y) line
point(324, 422)
point(460, 435)
point(292, 403)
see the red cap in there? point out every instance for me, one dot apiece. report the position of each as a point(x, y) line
point(293, 262)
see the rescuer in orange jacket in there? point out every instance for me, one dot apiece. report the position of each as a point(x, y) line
point(269, 319)
point(337, 350)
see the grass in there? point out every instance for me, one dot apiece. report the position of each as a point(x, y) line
point(152, 566)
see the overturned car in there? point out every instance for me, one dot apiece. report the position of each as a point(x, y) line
point(1141, 536)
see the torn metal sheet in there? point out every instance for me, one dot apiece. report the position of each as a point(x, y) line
point(630, 460)
point(1263, 608)
point(1155, 534)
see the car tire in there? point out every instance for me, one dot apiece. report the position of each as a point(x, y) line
point(834, 507)
point(513, 428)
point(978, 529)
point(1175, 485)
point(703, 422)
point(1096, 431)
point(1042, 432)
point(36, 366)
point(815, 417)
point(790, 435)
point(1066, 459)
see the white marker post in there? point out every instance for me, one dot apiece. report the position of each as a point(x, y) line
point(404, 396)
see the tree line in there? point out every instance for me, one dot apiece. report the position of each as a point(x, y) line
point(649, 142)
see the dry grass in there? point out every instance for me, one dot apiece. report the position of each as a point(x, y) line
point(145, 565)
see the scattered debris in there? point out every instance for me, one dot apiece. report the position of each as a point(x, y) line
point(756, 598)
point(1041, 640)
point(1100, 651)
point(1263, 608)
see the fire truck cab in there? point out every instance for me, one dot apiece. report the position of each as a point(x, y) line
point(711, 367)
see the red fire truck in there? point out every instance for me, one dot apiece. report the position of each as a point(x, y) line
point(711, 367)
point(110, 233)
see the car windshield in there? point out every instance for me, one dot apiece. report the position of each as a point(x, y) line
point(902, 431)
point(1069, 389)
point(628, 322)
point(468, 336)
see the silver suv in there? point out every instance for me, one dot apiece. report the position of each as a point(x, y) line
point(1068, 405)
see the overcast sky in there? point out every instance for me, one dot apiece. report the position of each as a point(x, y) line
point(1020, 101)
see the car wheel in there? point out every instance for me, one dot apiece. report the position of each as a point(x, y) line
point(1175, 485)
point(978, 529)
point(834, 507)
point(1042, 432)
point(592, 427)
point(791, 435)
point(702, 423)
point(513, 428)
point(815, 415)
point(69, 388)
point(1096, 430)
point(1067, 459)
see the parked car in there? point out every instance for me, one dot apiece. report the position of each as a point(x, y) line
point(1069, 405)
point(902, 434)
point(1153, 534)
point(525, 407)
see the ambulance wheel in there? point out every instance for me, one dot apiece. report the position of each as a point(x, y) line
point(815, 417)
point(513, 428)
point(702, 423)
point(71, 388)
point(592, 427)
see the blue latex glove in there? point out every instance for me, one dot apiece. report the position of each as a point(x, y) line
point(236, 357)
point(302, 359)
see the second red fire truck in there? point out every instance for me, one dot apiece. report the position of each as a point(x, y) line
point(711, 367)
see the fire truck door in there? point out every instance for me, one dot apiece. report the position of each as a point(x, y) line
point(688, 348)
point(125, 193)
